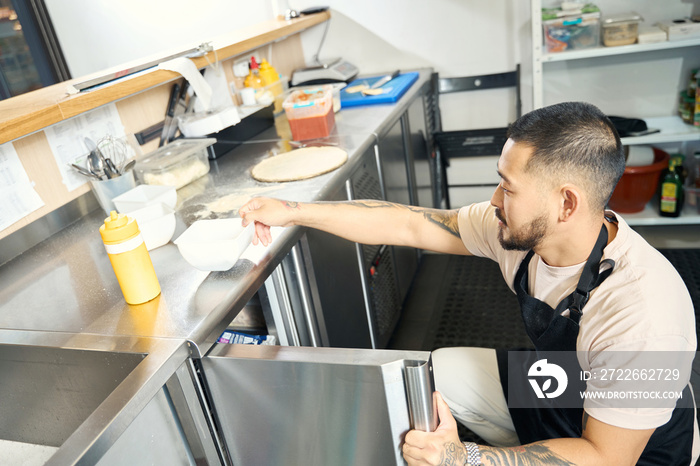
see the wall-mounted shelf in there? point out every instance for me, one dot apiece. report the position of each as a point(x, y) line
point(673, 129)
point(33, 111)
point(620, 50)
point(650, 216)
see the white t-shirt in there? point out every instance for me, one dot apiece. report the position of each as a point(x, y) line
point(642, 306)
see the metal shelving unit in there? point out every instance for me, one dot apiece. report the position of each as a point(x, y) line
point(672, 128)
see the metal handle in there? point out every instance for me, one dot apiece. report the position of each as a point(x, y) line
point(419, 390)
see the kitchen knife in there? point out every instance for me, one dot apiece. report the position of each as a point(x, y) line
point(385, 79)
point(174, 96)
point(180, 107)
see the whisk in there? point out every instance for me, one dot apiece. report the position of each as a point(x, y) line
point(115, 150)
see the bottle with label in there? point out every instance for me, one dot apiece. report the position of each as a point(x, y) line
point(130, 259)
point(254, 79)
point(671, 202)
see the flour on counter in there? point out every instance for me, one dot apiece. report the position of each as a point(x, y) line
point(226, 206)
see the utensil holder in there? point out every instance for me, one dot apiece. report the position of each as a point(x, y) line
point(106, 190)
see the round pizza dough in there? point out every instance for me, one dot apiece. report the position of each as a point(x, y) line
point(299, 164)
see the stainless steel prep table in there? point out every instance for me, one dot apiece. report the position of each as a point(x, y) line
point(66, 283)
point(64, 287)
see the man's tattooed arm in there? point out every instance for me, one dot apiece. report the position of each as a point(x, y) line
point(534, 454)
point(444, 219)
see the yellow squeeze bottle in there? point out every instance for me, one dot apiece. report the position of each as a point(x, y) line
point(130, 259)
point(254, 79)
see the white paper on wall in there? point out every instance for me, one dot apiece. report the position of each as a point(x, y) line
point(17, 195)
point(67, 139)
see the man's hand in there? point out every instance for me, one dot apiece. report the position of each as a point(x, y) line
point(441, 447)
point(265, 213)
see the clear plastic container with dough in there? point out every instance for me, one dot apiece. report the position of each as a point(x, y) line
point(176, 164)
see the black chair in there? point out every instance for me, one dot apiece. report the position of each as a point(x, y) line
point(466, 143)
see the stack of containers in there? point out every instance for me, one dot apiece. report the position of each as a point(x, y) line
point(152, 207)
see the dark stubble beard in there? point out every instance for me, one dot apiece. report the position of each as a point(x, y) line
point(527, 238)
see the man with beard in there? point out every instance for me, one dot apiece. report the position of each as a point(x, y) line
point(585, 282)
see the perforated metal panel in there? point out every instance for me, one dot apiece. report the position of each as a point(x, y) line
point(385, 296)
point(381, 276)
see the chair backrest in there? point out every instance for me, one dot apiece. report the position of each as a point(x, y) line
point(474, 83)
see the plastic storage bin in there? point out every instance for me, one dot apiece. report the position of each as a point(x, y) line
point(621, 30)
point(572, 32)
point(310, 113)
point(176, 164)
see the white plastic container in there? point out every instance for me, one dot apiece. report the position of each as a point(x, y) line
point(144, 195)
point(156, 222)
point(214, 245)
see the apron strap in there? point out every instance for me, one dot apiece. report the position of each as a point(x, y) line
point(591, 278)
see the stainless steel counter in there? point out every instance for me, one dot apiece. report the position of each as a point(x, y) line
point(66, 283)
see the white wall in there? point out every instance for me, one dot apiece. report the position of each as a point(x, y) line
point(455, 37)
point(100, 34)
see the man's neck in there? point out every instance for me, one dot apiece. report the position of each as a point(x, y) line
point(572, 244)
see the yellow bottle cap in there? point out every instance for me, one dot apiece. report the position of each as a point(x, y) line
point(118, 227)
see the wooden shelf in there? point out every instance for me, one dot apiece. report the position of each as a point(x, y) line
point(34, 111)
point(621, 50)
point(673, 129)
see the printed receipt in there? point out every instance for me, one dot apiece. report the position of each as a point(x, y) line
point(17, 195)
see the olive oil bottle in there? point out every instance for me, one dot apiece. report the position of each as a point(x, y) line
point(671, 201)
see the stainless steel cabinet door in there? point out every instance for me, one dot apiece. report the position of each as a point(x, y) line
point(316, 406)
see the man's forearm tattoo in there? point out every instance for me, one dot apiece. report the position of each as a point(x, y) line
point(453, 454)
point(291, 204)
point(445, 219)
point(534, 454)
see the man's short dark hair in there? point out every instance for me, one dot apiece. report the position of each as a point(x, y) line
point(573, 142)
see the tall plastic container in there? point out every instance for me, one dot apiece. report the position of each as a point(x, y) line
point(130, 259)
point(310, 113)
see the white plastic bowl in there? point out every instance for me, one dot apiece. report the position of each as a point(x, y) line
point(214, 245)
point(144, 195)
point(156, 222)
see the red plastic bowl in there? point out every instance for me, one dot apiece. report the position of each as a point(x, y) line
point(638, 185)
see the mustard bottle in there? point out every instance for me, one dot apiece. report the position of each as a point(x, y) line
point(254, 79)
point(129, 257)
point(268, 73)
point(272, 80)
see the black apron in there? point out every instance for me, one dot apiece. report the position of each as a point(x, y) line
point(549, 330)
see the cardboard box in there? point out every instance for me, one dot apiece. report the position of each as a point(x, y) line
point(680, 29)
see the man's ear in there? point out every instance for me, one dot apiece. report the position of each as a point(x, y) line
point(570, 202)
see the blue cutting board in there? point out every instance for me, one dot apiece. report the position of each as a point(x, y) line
point(399, 85)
